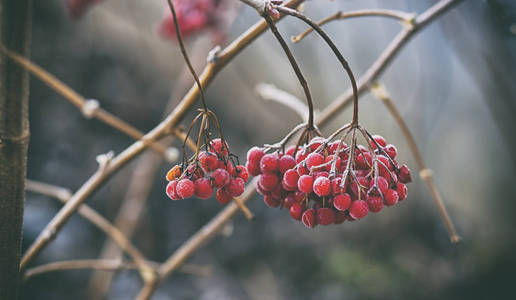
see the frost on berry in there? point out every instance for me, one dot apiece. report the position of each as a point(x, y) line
point(185, 188)
point(309, 218)
point(203, 188)
point(358, 209)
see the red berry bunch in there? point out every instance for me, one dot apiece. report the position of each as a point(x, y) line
point(193, 16)
point(321, 183)
point(213, 169)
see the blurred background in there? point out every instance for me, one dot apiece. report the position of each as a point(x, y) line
point(453, 83)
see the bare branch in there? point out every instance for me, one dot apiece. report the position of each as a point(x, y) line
point(405, 18)
point(381, 94)
point(90, 108)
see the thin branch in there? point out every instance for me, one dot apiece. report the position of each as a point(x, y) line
point(90, 108)
point(381, 93)
point(211, 228)
point(269, 92)
point(112, 265)
point(385, 58)
point(95, 218)
point(404, 17)
point(214, 66)
point(335, 50)
point(296, 68)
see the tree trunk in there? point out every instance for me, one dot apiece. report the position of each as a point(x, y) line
point(14, 139)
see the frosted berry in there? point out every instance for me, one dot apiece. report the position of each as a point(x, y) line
point(255, 154)
point(171, 190)
point(391, 150)
point(314, 160)
point(305, 183)
point(203, 188)
point(235, 187)
point(271, 201)
point(325, 216)
point(379, 140)
point(309, 218)
point(217, 146)
point(374, 203)
point(286, 162)
point(358, 209)
point(383, 186)
point(404, 174)
point(322, 186)
point(242, 172)
point(342, 202)
point(269, 163)
point(208, 160)
point(253, 168)
point(268, 181)
point(223, 197)
point(185, 188)
point(402, 191)
point(295, 211)
point(290, 178)
point(220, 178)
point(391, 197)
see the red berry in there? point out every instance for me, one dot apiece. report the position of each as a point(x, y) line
point(242, 172)
point(301, 170)
point(220, 178)
point(404, 174)
point(217, 147)
point(185, 188)
point(254, 155)
point(253, 168)
point(268, 181)
point(286, 162)
point(322, 186)
point(402, 191)
point(391, 150)
point(335, 186)
point(203, 188)
point(325, 216)
point(295, 211)
point(314, 160)
point(342, 202)
point(301, 155)
point(374, 203)
point(383, 186)
point(358, 209)
point(171, 190)
point(290, 150)
point(364, 182)
point(290, 178)
point(379, 140)
point(208, 160)
point(315, 143)
point(269, 163)
point(309, 218)
point(271, 201)
point(329, 165)
point(305, 183)
point(391, 197)
point(289, 200)
point(223, 197)
point(339, 217)
point(235, 187)
point(364, 160)
point(299, 196)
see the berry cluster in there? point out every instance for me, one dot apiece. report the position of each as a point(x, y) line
point(212, 169)
point(321, 185)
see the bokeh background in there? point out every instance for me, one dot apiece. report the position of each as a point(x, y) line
point(453, 83)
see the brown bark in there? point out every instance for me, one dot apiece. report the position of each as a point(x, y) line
point(14, 138)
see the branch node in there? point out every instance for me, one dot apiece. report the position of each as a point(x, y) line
point(90, 108)
point(426, 173)
point(104, 159)
point(213, 55)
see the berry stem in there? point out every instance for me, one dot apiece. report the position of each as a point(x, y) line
point(335, 50)
point(296, 68)
point(185, 55)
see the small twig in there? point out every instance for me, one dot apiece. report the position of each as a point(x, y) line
point(90, 108)
point(97, 264)
point(296, 68)
point(270, 92)
point(95, 218)
point(381, 93)
point(404, 17)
